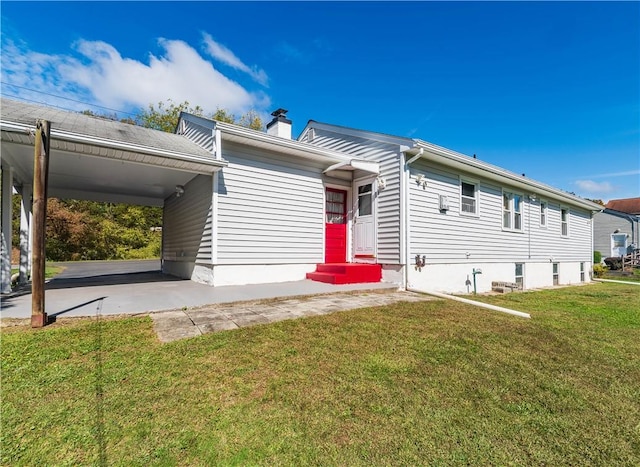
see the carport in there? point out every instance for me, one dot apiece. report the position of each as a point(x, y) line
point(91, 158)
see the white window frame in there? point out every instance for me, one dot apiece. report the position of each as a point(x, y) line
point(476, 198)
point(582, 272)
point(509, 209)
point(544, 214)
point(555, 273)
point(520, 282)
point(564, 223)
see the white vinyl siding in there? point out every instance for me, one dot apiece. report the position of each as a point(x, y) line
point(270, 209)
point(388, 199)
point(548, 242)
point(447, 237)
point(200, 134)
point(187, 223)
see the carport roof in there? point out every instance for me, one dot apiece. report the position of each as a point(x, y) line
point(100, 159)
point(99, 128)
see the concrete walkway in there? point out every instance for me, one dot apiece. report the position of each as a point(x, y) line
point(180, 324)
point(182, 308)
point(133, 287)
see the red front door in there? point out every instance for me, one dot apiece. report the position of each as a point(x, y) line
point(335, 226)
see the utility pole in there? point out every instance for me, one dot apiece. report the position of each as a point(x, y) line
point(40, 180)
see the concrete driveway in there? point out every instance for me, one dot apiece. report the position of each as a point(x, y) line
point(133, 287)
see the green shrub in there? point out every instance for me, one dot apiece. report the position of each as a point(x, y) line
point(597, 257)
point(599, 270)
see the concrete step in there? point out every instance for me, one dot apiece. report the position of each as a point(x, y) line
point(346, 273)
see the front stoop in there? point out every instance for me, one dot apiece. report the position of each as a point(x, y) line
point(346, 273)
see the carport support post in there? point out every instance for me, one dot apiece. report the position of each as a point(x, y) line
point(40, 178)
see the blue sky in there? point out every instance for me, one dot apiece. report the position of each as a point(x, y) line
point(548, 89)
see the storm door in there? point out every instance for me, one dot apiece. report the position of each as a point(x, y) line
point(364, 221)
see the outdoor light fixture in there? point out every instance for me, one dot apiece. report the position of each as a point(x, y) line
point(179, 191)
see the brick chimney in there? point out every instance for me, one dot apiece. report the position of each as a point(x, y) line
point(280, 125)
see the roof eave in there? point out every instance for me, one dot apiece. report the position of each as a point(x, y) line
point(454, 159)
point(292, 147)
point(77, 138)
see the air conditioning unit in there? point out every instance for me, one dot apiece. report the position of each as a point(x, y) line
point(444, 203)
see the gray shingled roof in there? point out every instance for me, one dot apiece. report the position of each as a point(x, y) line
point(74, 122)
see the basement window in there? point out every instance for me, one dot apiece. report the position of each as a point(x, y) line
point(556, 274)
point(520, 275)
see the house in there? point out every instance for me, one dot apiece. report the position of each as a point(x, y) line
point(337, 204)
point(439, 218)
point(616, 229)
point(263, 218)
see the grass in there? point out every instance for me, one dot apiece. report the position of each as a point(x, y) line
point(50, 270)
point(438, 383)
point(633, 277)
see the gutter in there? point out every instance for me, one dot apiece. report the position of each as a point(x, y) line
point(472, 302)
point(494, 171)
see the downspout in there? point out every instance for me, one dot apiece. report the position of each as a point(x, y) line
point(488, 306)
point(217, 152)
point(407, 215)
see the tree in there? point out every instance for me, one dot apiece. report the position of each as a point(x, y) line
point(165, 117)
point(108, 116)
point(597, 201)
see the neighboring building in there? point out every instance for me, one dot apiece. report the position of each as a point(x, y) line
point(243, 206)
point(626, 205)
point(615, 233)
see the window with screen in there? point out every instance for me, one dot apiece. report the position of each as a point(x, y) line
point(336, 206)
point(469, 197)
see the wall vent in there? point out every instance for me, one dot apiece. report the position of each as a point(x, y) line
point(444, 203)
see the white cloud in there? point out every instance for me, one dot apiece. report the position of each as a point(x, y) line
point(223, 54)
point(615, 174)
point(590, 186)
point(97, 73)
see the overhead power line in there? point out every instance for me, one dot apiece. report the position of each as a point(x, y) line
point(61, 97)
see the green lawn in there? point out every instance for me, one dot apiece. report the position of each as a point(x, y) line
point(437, 383)
point(50, 270)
